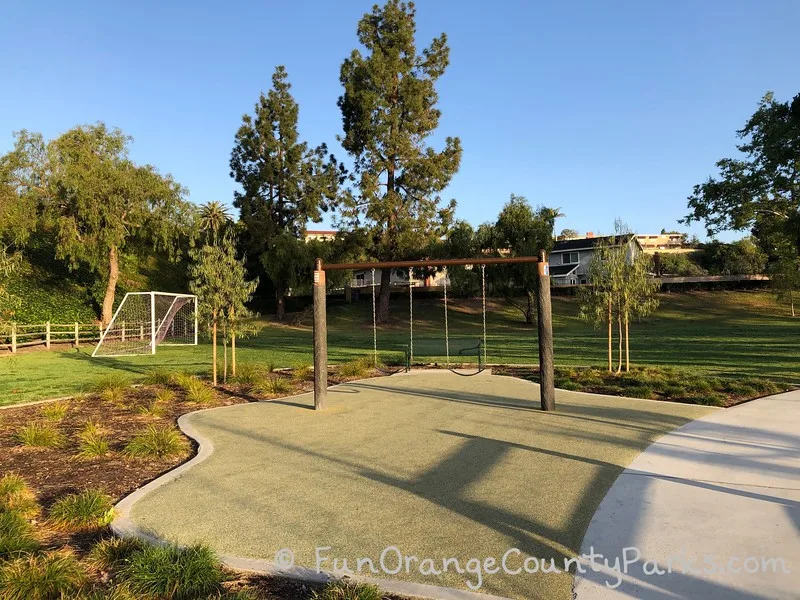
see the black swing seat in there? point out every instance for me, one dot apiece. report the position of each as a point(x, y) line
point(477, 349)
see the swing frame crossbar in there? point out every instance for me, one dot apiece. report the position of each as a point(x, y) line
point(545, 321)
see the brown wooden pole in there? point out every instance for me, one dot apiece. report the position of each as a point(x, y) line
point(545, 328)
point(320, 338)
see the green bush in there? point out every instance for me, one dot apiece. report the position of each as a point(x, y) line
point(16, 535)
point(567, 384)
point(89, 509)
point(348, 590)
point(49, 576)
point(274, 385)
point(16, 496)
point(303, 373)
point(113, 395)
point(160, 376)
point(55, 411)
point(40, 434)
point(359, 367)
point(172, 573)
point(164, 396)
point(199, 392)
point(712, 399)
point(156, 442)
point(247, 374)
point(640, 391)
point(112, 381)
point(109, 554)
point(92, 441)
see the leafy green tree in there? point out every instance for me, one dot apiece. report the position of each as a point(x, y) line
point(760, 190)
point(461, 242)
point(742, 257)
point(620, 288)
point(681, 265)
point(219, 279)
point(550, 215)
point(522, 231)
point(388, 112)
point(785, 277)
point(285, 184)
point(569, 234)
point(95, 200)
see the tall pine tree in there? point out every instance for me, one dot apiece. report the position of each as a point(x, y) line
point(285, 184)
point(388, 111)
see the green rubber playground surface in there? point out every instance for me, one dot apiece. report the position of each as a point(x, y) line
point(436, 465)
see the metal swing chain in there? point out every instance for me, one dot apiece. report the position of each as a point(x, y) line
point(483, 293)
point(410, 319)
point(374, 325)
point(446, 329)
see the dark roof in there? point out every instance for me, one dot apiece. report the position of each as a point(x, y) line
point(591, 242)
point(557, 270)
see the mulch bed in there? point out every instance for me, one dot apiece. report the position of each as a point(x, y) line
point(53, 472)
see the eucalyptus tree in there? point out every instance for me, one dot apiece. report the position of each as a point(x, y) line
point(389, 113)
point(95, 200)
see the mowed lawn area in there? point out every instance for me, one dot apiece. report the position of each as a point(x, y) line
point(725, 333)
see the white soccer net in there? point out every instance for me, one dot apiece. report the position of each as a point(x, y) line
point(146, 320)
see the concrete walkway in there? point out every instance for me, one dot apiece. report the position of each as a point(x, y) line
point(715, 498)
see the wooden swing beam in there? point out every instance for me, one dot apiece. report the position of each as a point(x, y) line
point(544, 330)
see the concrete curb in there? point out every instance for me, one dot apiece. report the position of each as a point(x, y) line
point(124, 526)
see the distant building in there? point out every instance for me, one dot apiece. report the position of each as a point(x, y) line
point(323, 235)
point(570, 259)
point(660, 242)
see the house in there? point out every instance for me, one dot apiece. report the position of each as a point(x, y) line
point(323, 235)
point(651, 243)
point(399, 278)
point(570, 259)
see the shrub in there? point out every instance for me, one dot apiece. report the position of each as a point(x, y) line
point(164, 396)
point(39, 434)
point(92, 441)
point(55, 411)
point(303, 373)
point(112, 381)
point(199, 392)
point(348, 590)
point(16, 496)
point(355, 368)
point(172, 573)
point(109, 554)
point(113, 395)
point(89, 509)
point(247, 374)
point(50, 576)
point(159, 376)
point(712, 399)
point(274, 385)
point(155, 442)
point(567, 384)
point(16, 535)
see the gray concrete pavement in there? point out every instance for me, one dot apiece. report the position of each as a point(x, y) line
point(718, 499)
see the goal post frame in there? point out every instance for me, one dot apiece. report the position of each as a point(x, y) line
point(154, 328)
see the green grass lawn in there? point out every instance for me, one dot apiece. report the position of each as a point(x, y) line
point(725, 333)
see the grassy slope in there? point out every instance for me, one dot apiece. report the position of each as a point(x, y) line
point(724, 333)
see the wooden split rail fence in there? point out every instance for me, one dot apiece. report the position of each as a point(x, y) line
point(17, 335)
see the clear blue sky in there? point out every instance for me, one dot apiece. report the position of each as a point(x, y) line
point(602, 108)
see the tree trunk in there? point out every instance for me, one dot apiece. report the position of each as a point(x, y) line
point(610, 336)
point(280, 299)
point(111, 287)
point(233, 355)
point(529, 312)
point(214, 349)
point(627, 346)
point(619, 327)
point(384, 296)
point(224, 357)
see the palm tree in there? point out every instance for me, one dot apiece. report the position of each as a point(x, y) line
point(550, 215)
point(213, 216)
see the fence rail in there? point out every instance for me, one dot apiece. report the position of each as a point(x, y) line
point(21, 335)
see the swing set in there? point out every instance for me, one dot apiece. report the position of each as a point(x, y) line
point(545, 325)
point(479, 350)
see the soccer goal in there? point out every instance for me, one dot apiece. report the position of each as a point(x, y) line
point(144, 321)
